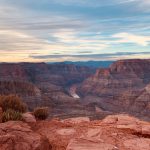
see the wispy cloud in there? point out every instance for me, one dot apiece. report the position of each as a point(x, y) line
point(132, 38)
point(73, 27)
point(95, 3)
point(108, 56)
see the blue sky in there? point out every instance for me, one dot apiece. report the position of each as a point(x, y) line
point(76, 30)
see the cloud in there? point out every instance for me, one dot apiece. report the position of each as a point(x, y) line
point(13, 40)
point(132, 38)
point(143, 5)
point(106, 56)
point(85, 52)
point(94, 3)
point(72, 27)
point(78, 43)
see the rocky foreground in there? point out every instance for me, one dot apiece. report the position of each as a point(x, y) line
point(116, 132)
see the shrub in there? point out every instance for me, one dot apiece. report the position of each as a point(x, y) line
point(10, 114)
point(12, 102)
point(41, 113)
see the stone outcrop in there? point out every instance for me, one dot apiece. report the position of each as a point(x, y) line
point(19, 136)
point(115, 132)
point(28, 117)
point(77, 120)
point(81, 144)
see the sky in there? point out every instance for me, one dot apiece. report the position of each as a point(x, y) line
point(74, 30)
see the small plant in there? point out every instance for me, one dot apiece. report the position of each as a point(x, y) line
point(10, 114)
point(41, 113)
point(12, 102)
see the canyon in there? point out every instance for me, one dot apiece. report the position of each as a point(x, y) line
point(123, 87)
point(72, 91)
point(90, 109)
point(41, 84)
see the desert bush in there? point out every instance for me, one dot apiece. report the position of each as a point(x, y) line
point(11, 114)
point(41, 113)
point(12, 102)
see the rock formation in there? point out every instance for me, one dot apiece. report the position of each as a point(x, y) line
point(116, 132)
point(41, 83)
point(74, 91)
point(19, 136)
point(28, 117)
point(124, 87)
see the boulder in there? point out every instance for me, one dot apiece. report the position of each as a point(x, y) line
point(137, 144)
point(82, 144)
point(124, 121)
point(28, 117)
point(110, 119)
point(19, 136)
point(146, 129)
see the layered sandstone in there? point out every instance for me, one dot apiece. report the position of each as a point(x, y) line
point(124, 87)
point(73, 91)
point(41, 83)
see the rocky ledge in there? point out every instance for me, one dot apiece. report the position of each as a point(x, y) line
point(116, 132)
point(19, 136)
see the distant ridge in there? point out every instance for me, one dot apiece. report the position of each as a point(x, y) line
point(94, 64)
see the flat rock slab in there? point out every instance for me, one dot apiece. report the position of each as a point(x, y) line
point(121, 119)
point(81, 144)
point(77, 120)
point(118, 132)
point(137, 144)
point(66, 132)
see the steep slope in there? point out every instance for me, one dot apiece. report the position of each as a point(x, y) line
point(120, 88)
point(72, 90)
point(41, 83)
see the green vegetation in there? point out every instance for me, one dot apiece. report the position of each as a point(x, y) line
point(41, 113)
point(10, 114)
